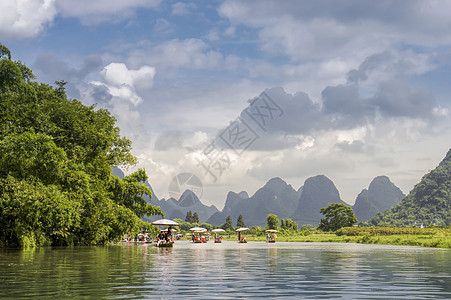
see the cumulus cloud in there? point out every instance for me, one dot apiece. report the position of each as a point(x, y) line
point(323, 29)
point(345, 106)
point(397, 98)
point(28, 18)
point(390, 64)
point(278, 120)
point(124, 84)
point(25, 18)
point(121, 92)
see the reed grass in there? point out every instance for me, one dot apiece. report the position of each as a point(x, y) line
point(423, 237)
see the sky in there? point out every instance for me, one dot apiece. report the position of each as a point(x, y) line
point(234, 93)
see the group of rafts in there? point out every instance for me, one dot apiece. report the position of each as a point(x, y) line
point(201, 235)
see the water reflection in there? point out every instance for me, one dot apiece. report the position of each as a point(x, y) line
point(227, 270)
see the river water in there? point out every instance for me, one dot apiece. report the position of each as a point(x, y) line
point(227, 271)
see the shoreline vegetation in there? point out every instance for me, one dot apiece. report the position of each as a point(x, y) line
point(401, 236)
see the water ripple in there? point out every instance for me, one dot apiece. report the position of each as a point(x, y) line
point(228, 271)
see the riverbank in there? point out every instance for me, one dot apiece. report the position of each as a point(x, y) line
point(406, 240)
point(423, 237)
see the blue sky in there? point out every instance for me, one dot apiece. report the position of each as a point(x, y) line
point(358, 88)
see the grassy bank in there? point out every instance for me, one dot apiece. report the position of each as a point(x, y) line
point(423, 237)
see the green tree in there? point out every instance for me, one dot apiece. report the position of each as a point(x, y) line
point(337, 215)
point(195, 217)
point(189, 217)
point(288, 224)
point(228, 224)
point(129, 193)
point(272, 221)
point(4, 52)
point(56, 155)
point(240, 221)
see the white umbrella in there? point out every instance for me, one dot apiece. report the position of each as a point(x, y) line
point(242, 229)
point(165, 222)
point(271, 230)
point(218, 230)
point(198, 229)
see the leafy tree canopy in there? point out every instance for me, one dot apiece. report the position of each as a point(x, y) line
point(337, 215)
point(288, 224)
point(228, 224)
point(240, 221)
point(272, 221)
point(189, 217)
point(56, 155)
point(195, 217)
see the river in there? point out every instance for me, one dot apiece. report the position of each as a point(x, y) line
point(227, 271)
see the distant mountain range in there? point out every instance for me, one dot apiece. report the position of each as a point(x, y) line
point(277, 197)
point(177, 209)
point(429, 202)
point(173, 208)
point(303, 205)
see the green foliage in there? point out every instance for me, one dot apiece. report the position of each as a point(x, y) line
point(207, 226)
point(129, 193)
point(56, 155)
point(240, 221)
point(428, 203)
point(184, 226)
point(228, 224)
point(192, 218)
point(337, 215)
point(32, 156)
point(272, 221)
point(386, 231)
point(189, 217)
point(288, 224)
point(4, 52)
point(257, 230)
point(195, 217)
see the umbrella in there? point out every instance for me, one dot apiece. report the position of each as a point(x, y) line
point(165, 222)
point(198, 229)
point(242, 229)
point(218, 230)
point(271, 230)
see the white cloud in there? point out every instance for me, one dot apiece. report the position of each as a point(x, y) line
point(96, 11)
point(121, 92)
point(28, 18)
point(189, 53)
point(25, 18)
point(324, 29)
point(182, 9)
point(124, 84)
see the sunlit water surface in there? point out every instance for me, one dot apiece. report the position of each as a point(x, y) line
point(227, 271)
